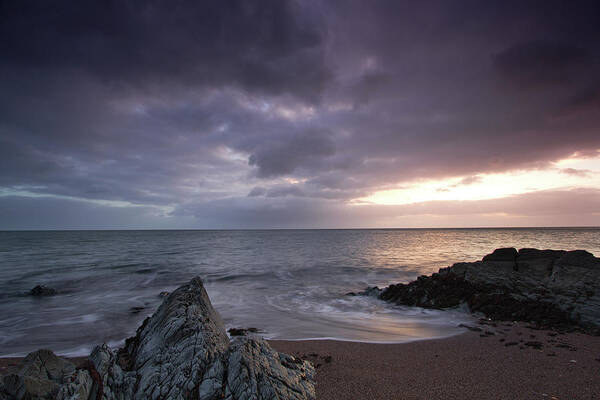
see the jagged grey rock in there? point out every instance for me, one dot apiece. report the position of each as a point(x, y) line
point(40, 377)
point(550, 287)
point(78, 386)
point(183, 352)
point(256, 371)
point(173, 349)
point(112, 382)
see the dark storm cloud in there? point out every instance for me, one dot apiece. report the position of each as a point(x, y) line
point(285, 156)
point(287, 106)
point(261, 45)
point(540, 63)
point(585, 101)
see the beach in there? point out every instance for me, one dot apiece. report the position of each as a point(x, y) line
point(473, 365)
point(466, 366)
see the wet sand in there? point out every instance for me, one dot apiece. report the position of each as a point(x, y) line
point(505, 361)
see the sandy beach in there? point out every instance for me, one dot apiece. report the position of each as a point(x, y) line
point(505, 361)
point(515, 362)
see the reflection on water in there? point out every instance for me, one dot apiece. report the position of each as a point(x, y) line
point(290, 284)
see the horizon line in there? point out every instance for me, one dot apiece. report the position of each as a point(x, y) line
point(296, 229)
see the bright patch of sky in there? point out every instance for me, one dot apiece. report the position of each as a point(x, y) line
point(567, 173)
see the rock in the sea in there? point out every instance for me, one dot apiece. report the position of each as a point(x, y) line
point(370, 291)
point(549, 287)
point(41, 290)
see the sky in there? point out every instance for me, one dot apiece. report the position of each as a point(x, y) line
point(299, 114)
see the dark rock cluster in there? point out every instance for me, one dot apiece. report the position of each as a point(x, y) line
point(552, 288)
point(373, 291)
point(41, 290)
point(241, 331)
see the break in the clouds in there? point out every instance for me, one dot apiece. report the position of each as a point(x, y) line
point(298, 113)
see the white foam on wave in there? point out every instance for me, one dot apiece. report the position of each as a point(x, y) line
point(342, 339)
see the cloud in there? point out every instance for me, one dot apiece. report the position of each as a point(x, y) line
point(261, 45)
point(540, 63)
point(583, 173)
point(283, 157)
point(284, 105)
point(257, 191)
point(556, 207)
point(283, 191)
point(588, 100)
point(37, 213)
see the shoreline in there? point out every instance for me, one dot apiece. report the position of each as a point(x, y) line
point(83, 355)
point(501, 360)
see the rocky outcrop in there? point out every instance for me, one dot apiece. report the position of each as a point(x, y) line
point(553, 288)
point(43, 375)
point(373, 291)
point(241, 331)
point(181, 352)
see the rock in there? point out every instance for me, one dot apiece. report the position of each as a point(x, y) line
point(505, 254)
point(537, 264)
point(183, 352)
point(40, 376)
point(173, 349)
point(256, 371)
point(109, 380)
point(25, 387)
point(241, 331)
point(552, 288)
point(44, 364)
point(163, 294)
point(78, 386)
point(41, 290)
point(370, 291)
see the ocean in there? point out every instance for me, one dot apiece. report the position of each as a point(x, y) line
point(290, 284)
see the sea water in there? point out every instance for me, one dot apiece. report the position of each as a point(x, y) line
point(289, 284)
